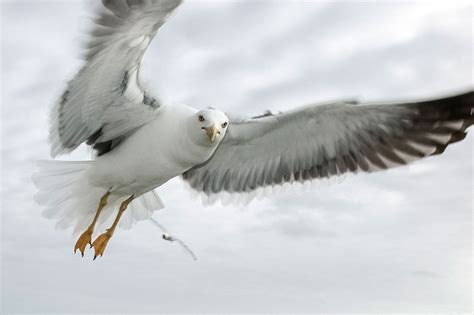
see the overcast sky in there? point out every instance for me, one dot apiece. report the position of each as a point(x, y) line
point(397, 241)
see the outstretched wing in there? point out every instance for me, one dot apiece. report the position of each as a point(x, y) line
point(321, 141)
point(105, 101)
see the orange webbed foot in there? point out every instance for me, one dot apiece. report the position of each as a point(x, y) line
point(100, 243)
point(82, 242)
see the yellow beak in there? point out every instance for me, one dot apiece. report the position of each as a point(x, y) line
point(212, 132)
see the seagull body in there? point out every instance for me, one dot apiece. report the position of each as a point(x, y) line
point(162, 149)
point(140, 142)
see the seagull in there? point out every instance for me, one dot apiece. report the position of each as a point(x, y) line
point(168, 237)
point(141, 142)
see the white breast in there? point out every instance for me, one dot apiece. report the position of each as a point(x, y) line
point(157, 152)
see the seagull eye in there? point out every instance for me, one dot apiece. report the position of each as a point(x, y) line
point(224, 125)
point(201, 118)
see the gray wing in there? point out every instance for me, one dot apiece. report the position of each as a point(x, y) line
point(321, 141)
point(105, 101)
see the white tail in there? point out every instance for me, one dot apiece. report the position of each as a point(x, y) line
point(69, 198)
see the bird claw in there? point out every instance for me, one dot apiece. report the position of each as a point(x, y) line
point(84, 239)
point(100, 243)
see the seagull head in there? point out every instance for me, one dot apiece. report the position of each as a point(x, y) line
point(212, 125)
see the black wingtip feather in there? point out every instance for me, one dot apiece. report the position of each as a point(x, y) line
point(440, 149)
point(457, 136)
point(450, 108)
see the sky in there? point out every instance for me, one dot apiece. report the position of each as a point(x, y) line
point(396, 241)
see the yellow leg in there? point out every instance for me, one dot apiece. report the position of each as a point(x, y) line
point(86, 237)
point(101, 241)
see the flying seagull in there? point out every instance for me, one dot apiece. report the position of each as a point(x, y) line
point(168, 237)
point(142, 142)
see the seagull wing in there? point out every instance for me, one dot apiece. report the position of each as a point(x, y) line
point(321, 141)
point(105, 101)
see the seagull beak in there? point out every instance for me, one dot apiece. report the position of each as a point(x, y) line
point(212, 132)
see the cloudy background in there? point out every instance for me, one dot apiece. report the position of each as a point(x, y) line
point(398, 241)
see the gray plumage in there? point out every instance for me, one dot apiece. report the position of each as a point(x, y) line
point(321, 141)
point(105, 101)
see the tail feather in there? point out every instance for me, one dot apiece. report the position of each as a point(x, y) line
point(50, 201)
point(68, 197)
point(64, 191)
point(142, 208)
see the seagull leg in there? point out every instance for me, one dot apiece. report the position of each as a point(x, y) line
point(86, 237)
point(101, 241)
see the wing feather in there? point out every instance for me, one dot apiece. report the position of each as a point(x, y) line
point(104, 101)
point(327, 140)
